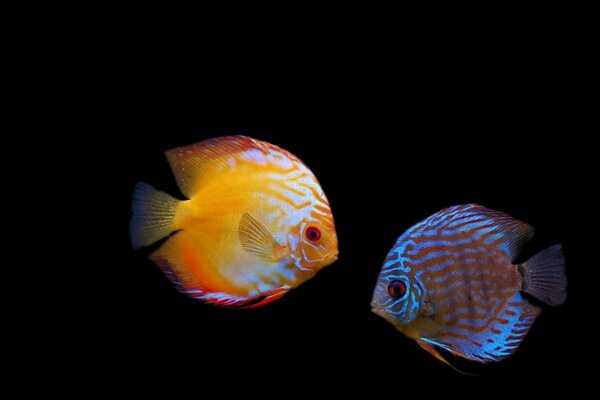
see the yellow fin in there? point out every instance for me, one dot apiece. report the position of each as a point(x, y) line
point(258, 241)
point(192, 266)
point(171, 259)
point(428, 346)
point(201, 162)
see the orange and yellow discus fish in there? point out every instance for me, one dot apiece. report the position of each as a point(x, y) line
point(255, 225)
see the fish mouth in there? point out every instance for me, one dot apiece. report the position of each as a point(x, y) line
point(377, 310)
point(333, 256)
point(381, 312)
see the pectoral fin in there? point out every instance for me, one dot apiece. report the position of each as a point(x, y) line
point(427, 310)
point(258, 241)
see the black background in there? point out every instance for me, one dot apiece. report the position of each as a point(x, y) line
point(398, 115)
point(389, 147)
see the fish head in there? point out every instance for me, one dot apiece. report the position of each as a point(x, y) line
point(317, 242)
point(397, 296)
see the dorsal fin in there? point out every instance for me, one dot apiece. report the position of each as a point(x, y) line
point(511, 234)
point(201, 162)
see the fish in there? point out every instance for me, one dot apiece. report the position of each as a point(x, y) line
point(254, 223)
point(450, 282)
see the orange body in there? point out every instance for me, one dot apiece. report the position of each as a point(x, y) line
point(246, 233)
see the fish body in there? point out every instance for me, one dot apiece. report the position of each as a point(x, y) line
point(255, 224)
point(450, 281)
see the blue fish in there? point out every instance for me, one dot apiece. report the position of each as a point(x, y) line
point(450, 282)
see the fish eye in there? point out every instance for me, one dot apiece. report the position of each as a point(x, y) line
point(313, 234)
point(397, 288)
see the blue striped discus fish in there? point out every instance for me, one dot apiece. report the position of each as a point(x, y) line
point(450, 282)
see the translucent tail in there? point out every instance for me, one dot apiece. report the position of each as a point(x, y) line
point(153, 215)
point(544, 276)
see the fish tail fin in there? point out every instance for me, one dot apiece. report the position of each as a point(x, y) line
point(153, 215)
point(544, 276)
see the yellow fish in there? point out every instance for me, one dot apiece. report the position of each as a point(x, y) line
point(255, 225)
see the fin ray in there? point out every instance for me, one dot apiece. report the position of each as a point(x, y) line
point(170, 258)
point(259, 300)
point(257, 240)
point(429, 346)
point(195, 165)
point(511, 235)
point(544, 276)
point(153, 215)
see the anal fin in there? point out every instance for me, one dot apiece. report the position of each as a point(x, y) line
point(429, 346)
point(259, 300)
point(171, 260)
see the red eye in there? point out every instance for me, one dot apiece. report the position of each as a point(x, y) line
point(313, 234)
point(397, 288)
